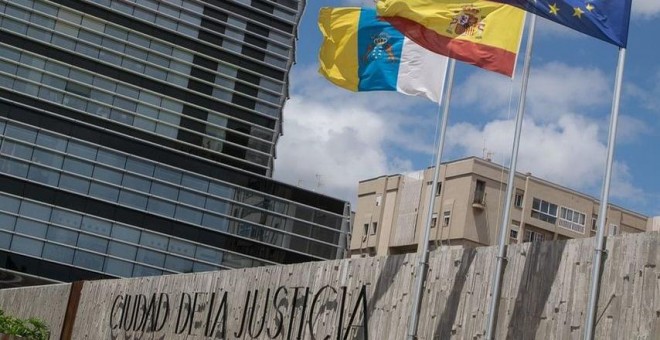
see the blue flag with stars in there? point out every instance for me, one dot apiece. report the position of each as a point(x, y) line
point(607, 20)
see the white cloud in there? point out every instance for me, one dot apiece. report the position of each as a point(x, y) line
point(646, 9)
point(565, 126)
point(567, 152)
point(345, 137)
point(630, 129)
point(342, 146)
point(554, 89)
point(622, 187)
point(647, 91)
point(485, 90)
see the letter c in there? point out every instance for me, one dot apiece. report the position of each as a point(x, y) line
point(112, 312)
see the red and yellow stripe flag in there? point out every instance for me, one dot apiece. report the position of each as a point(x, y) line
point(482, 33)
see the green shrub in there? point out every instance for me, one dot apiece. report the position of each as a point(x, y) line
point(32, 328)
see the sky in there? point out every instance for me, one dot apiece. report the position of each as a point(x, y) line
point(334, 138)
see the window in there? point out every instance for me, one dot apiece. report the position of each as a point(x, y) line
point(16, 149)
point(118, 267)
point(10, 204)
point(96, 226)
point(125, 251)
point(594, 223)
point(7, 222)
point(366, 229)
point(30, 227)
point(93, 243)
point(188, 214)
point(446, 218)
point(513, 236)
point(379, 199)
point(613, 230)
point(61, 235)
point(533, 236)
point(178, 264)
point(35, 210)
point(78, 89)
point(20, 134)
point(438, 190)
point(125, 234)
point(58, 253)
point(27, 246)
point(480, 192)
point(374, 228)
point(572, 220)
point(5, 240)
point(65, 218)
point(434, 220)
point(544, 211)
point(150, 257)
point(518, 199)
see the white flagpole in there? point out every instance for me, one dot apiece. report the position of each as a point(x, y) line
point(602, 214)
point(424, 253)
point(497, 277)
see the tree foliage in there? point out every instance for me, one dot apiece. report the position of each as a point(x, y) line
point(31, 329)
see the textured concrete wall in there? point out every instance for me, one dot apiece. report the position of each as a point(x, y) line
point(544, 296)
point(47, 303)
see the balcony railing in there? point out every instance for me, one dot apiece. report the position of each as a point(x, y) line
point(479, 201)
point(571, 226)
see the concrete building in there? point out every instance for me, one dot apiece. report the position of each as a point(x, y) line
point(392, 210)
point(138, 138)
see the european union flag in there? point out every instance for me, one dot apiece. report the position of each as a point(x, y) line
point(606, 20)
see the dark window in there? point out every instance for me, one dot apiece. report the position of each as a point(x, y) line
point(518, 199)
point(480, 192)
point(533, 236)
point(513, 236)
point(544, 211)
point(594, 223)
point(446, 218)
point(78, 89)
point(438, 189)
point(288, 3)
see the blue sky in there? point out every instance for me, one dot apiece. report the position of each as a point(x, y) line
point(334, 138)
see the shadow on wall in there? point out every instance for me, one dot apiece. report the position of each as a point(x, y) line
point(481, 224)
point(443, 329)
point(393, 265)
point(540, 271)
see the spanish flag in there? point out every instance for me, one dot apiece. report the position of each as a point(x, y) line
point(482, 33)
point(362, 52)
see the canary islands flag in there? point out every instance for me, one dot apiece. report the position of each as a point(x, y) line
point(482, 33)
point(607, 20)
point(361, 52)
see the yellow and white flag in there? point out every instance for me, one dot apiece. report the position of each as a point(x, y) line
point(362, 52)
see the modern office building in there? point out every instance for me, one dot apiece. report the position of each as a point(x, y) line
point(392, 210)
point(138, 138)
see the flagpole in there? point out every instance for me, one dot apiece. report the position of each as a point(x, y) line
point(497, 277)
point(602, 214)
point(424, 254)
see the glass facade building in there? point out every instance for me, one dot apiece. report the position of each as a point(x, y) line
point(138, 137)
